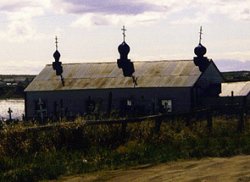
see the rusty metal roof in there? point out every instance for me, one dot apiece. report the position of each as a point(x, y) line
point(107, 75)
point(238, 89)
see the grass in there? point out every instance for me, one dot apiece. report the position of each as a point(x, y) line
point(43, 154)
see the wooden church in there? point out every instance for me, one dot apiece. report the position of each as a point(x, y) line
point(123, 87)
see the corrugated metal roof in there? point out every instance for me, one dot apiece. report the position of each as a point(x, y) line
point(108, 75)
point(238, 88)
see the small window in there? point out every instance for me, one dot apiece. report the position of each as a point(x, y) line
point(166, 105)
point(129, 102)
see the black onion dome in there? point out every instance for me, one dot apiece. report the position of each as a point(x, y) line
point(56, 55)
point(124, 48)
point(200, 50)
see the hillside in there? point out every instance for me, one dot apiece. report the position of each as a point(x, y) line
point(12, 86)
point(234, 76)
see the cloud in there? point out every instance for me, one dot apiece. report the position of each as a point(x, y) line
point(113, 12)
point(107, 12)
point(13, 6)
point(92, 19)
point(89, 13)
point(19, 18)
point(118, 7)
point(18, 31)
point(235, 10)
point(20, 5)
point(197, 18)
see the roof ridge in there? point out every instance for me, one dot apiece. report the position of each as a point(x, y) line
point(150, 61)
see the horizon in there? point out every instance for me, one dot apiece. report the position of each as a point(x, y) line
point(90, 31)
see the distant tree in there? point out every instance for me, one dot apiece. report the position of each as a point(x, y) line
point(19, 90)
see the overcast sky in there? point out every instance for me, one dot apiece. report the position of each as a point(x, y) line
point(90, 30)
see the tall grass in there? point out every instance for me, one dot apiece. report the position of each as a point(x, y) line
point(72, 148)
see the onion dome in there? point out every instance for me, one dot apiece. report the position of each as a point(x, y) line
point(200, 50)
point(124, 48)
point(56, 55)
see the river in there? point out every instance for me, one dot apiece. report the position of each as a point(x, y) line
point(16, 105)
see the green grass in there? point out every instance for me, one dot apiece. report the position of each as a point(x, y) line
point(38, 154)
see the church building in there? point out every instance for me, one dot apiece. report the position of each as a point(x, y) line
point(124, 87)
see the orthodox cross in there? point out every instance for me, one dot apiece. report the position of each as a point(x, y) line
point(56, 43)
point(123, 32)
point(200, 34)
point(41, 110)
point(10, 111)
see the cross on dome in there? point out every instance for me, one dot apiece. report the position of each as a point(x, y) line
point(124, 32)
point(56, 42)
point(200, 34)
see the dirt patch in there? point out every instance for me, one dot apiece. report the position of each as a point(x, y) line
point(234, 169)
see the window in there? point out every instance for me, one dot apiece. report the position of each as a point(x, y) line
point(166, 105)
point(129, 102)
point(126, 106)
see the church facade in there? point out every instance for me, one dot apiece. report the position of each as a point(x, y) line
point(162, 86)
point(122, 87)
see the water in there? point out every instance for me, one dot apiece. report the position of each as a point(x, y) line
point(16, 105)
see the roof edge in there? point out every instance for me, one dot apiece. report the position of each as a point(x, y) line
point(109, 62)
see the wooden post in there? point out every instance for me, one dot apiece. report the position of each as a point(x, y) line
point(158, 122)
point(209, 120)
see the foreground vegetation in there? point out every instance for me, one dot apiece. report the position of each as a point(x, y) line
point(33, 154)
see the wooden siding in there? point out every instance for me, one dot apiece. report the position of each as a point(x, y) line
point(145, 98)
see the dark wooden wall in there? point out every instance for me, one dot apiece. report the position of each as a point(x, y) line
point(145, 100)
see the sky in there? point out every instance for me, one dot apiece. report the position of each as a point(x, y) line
point(90, 31)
